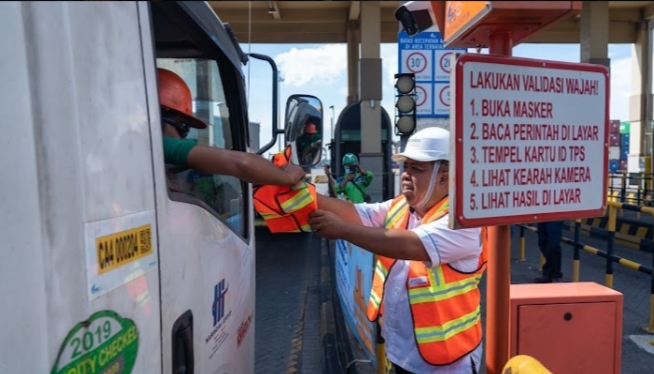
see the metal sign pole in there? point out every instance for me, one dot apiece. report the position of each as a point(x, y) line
point(499, 264)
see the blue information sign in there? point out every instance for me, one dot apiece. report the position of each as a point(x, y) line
point(426, 57)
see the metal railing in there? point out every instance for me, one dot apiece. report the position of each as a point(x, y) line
point(631, 188)
point(609, 254)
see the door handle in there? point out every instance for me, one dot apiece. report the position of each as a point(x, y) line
point(182, 344)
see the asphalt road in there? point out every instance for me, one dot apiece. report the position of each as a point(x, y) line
point(287, 318)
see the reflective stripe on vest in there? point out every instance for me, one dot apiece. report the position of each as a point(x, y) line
point(444, 303)
point(284, 208)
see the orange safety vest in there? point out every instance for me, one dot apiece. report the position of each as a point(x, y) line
point(444, 302)
point(286, 208)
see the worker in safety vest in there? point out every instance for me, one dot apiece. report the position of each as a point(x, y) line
point(177, 117)
point(354, 182)
point(426, 278)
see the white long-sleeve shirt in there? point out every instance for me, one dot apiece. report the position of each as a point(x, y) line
point(458, 248)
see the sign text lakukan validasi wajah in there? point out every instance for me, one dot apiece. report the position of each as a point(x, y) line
point(529, 148)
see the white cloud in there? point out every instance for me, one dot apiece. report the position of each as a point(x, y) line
point(323, 65)
point(327, 64)
point(344, 91)
point(389, 62)
point(620, 88)
point(322, 71)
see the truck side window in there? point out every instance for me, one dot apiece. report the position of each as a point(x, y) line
point(221, 193)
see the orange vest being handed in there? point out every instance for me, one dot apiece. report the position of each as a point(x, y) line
point(444, 302)
point(285, 208)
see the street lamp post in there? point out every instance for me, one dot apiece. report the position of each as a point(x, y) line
point(331, 131)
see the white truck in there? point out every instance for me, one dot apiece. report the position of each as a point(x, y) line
point(104, 269)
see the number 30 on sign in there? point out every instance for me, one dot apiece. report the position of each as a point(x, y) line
point(418, 62)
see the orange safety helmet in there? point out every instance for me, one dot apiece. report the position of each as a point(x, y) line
point(175, 95)
point(310, 128)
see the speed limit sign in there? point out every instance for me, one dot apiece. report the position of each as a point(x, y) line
point(431, 62)
point(418, 63)
point(443, 64)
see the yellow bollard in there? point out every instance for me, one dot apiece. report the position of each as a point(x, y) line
point(650, 328)
point(575, 270)
point(383, 365)
point(382, 362)
point(608, 280)
point(523, 364)
point(610, 226)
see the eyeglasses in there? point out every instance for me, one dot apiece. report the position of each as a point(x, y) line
point(182, 128)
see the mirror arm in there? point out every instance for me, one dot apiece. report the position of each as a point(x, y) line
point(275, 110)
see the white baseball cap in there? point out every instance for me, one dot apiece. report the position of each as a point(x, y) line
point(430, 144)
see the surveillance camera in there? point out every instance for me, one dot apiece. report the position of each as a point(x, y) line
point(415, 16)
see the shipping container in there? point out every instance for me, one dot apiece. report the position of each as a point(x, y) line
point(614, 153)
point(624, 153)
point(614, 126)
point(614, 140)
point(614, 166)
point(624, 140)
point(625, 127)
point(623, 165)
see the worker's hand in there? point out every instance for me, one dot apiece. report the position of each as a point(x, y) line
point(349, 176)
point(295, 174)
point(326, 224)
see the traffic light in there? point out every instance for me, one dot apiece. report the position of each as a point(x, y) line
point(405, 104)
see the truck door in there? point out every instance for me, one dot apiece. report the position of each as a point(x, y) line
point(78, 260)
point(206, 247)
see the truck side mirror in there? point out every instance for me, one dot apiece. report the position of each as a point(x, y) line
point(303, 123)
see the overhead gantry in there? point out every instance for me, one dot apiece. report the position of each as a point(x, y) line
point(363, 25)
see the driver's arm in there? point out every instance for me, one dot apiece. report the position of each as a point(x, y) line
point(248, 167)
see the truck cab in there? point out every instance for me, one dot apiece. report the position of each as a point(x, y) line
point(112, 261)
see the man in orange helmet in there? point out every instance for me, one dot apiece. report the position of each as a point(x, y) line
point(177, 120)
point(307, 143)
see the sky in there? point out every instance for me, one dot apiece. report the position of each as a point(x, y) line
point(321, 70)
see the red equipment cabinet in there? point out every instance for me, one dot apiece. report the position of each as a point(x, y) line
point(569, 327)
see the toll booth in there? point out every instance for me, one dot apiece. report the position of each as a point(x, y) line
point(347, 139)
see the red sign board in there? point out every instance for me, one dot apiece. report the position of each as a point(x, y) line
point(471, 23)
point(530, 140)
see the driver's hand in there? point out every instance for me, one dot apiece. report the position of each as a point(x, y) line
point(295, 173)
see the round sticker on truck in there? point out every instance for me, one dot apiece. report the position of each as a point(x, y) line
point(103, 344)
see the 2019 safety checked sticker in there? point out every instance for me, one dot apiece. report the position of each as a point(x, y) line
point(103, 344)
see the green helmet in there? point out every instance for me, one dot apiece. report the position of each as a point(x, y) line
point(350, 159)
